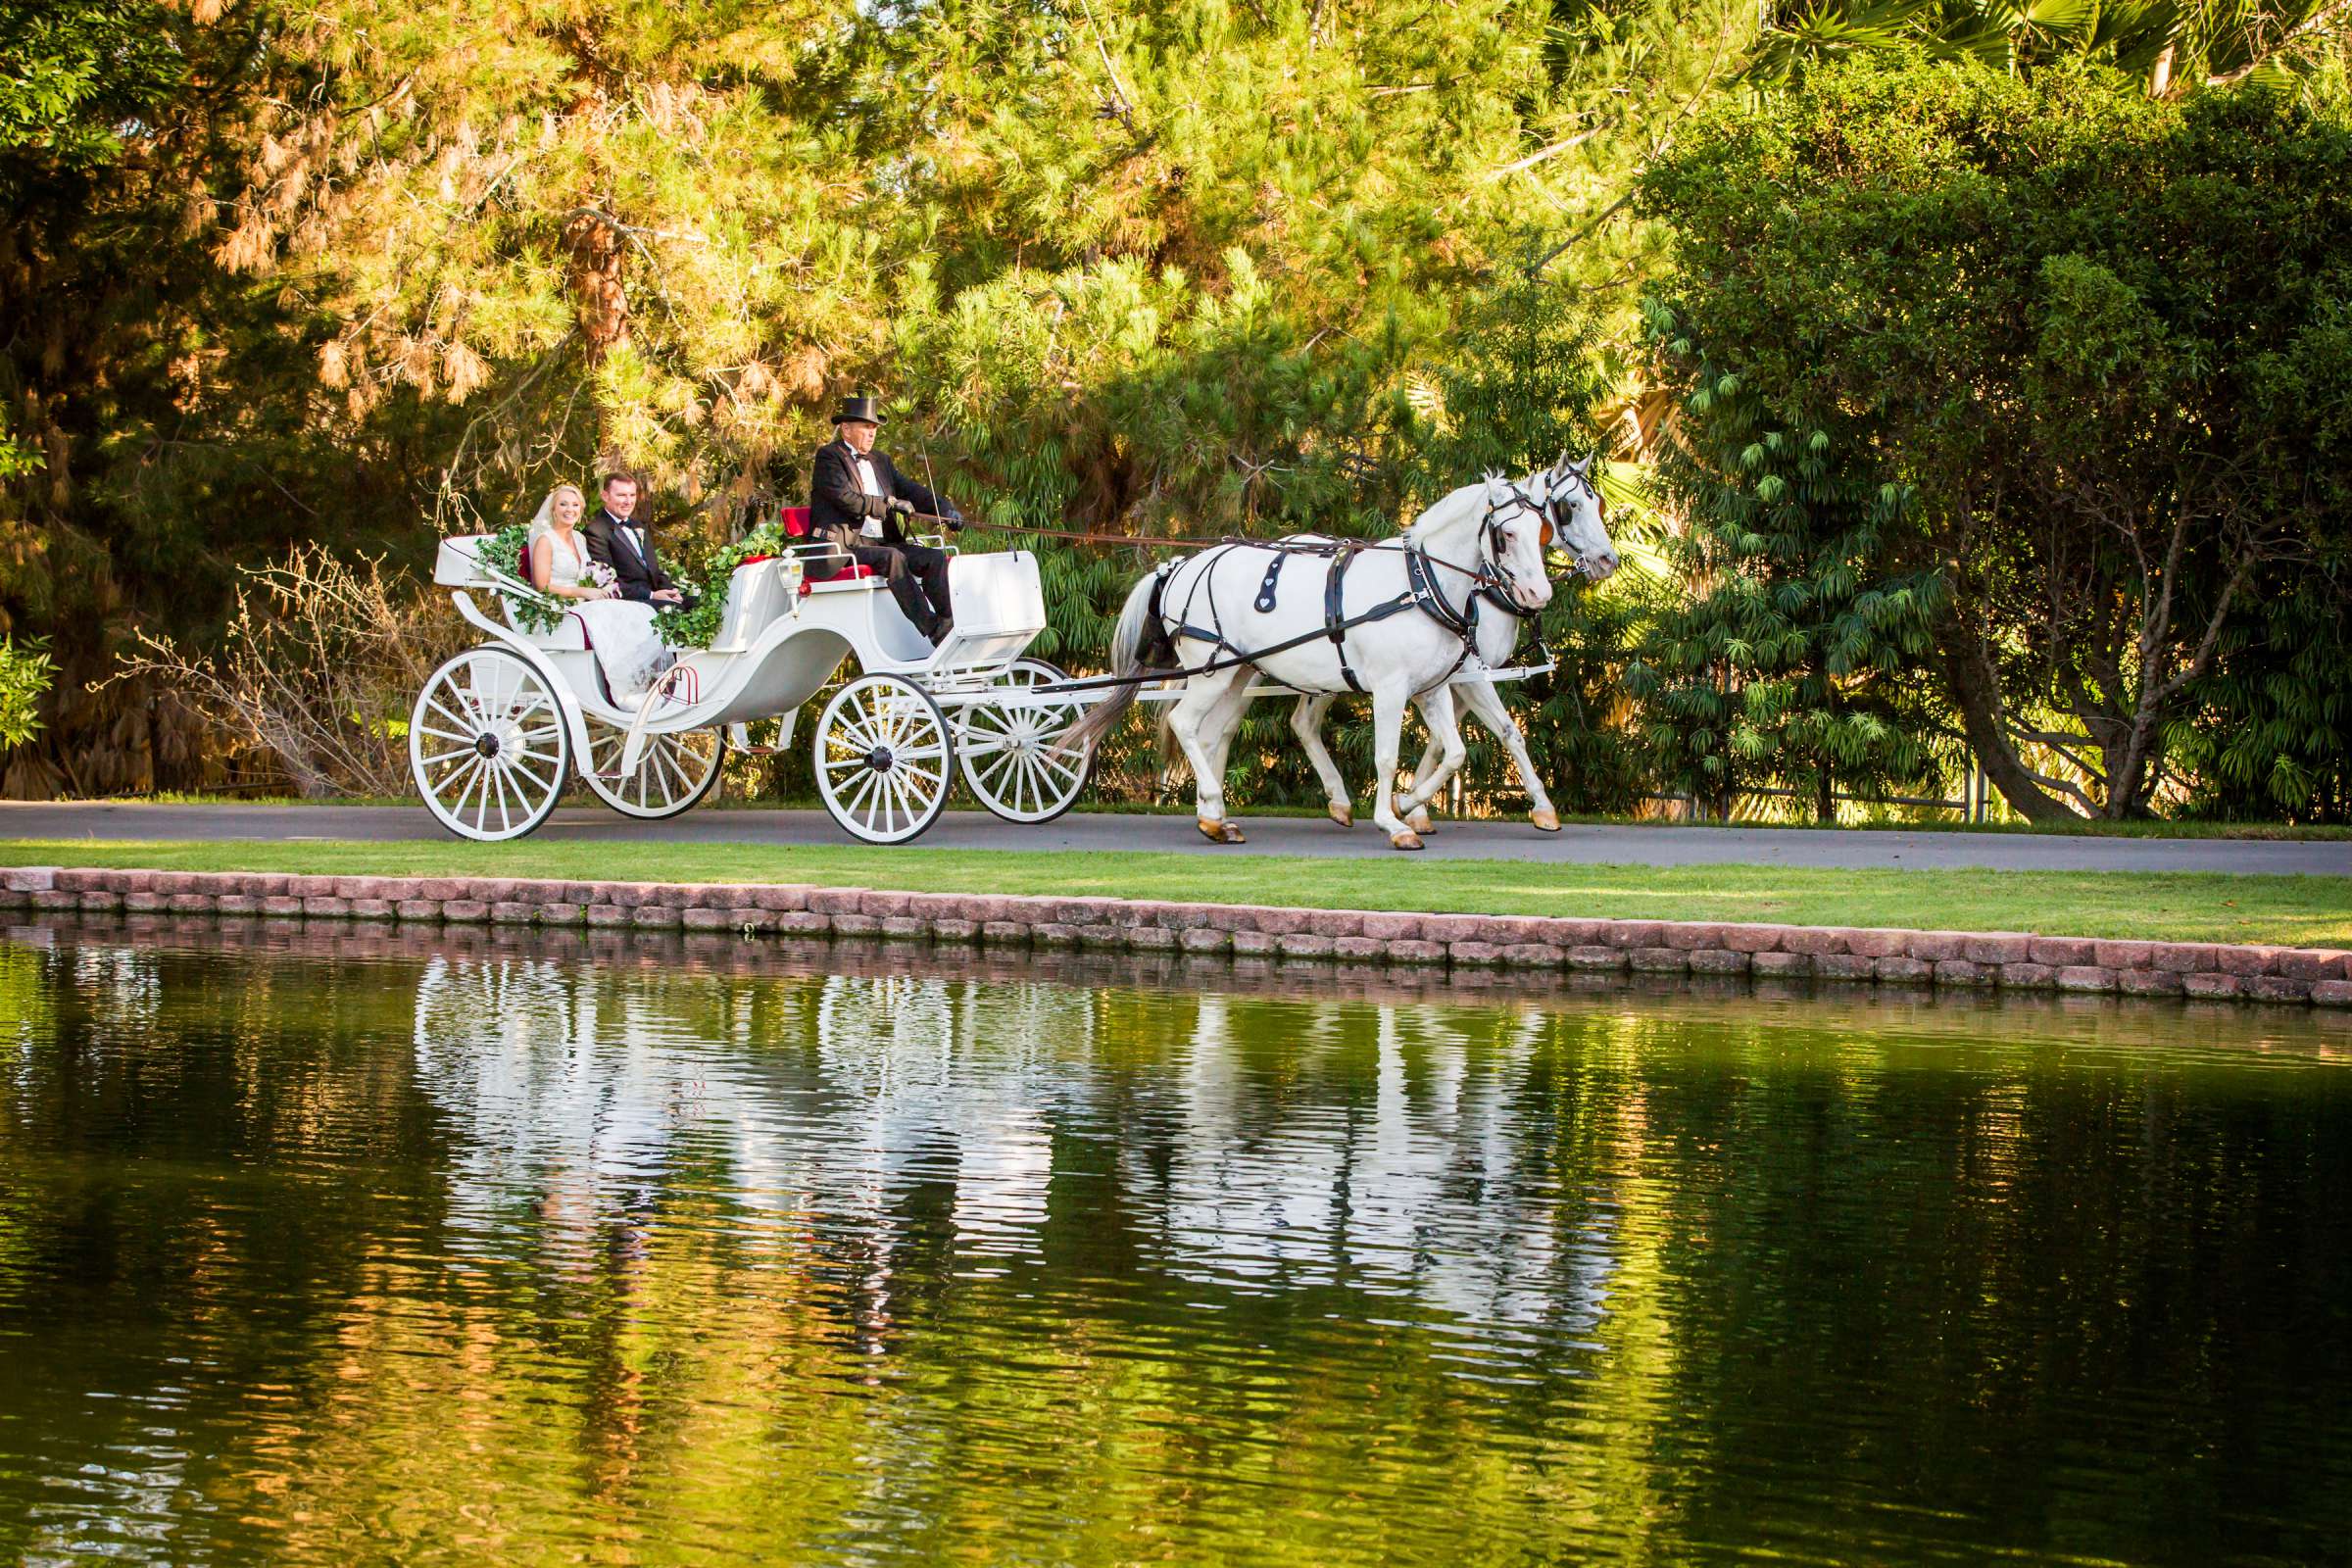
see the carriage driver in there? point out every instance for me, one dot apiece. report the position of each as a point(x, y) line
point(858, 501)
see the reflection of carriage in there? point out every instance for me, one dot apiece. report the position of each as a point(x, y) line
point(499, 729)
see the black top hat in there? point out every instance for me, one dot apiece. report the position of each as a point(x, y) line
point(866, 409)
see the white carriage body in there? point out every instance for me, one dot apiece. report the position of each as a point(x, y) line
point(782, 639)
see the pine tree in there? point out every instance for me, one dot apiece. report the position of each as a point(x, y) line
point(1791, 660)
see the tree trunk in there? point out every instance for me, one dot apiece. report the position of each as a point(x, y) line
point(1968, 677)
point(597, 293)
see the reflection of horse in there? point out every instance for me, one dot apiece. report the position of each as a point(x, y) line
point(1428, 1188)
point(1398, 620)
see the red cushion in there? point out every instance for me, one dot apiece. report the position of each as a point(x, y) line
point(839, 576)
point(795, 521)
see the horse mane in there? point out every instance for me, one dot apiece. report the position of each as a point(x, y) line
point(1448, 513)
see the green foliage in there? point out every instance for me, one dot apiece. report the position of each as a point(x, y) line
point(696, 624)
point(2270, 734)
point(25, 674)
point(2170, 45)
point(78, 73)
point(1791, 657)
point(508, 550)
point(17, 459)
point(2093, 338)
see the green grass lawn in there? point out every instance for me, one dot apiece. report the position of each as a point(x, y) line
point(2191, 906)
point(1933, 822)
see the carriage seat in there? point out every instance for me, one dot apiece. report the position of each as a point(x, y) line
point(459, 563)
point(819, 556)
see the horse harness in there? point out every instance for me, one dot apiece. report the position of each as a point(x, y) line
point(1422, 592)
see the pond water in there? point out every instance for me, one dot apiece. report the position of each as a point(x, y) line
point(326, 1247)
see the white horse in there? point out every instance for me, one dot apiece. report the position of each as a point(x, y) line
point(1579, 518)
point(1396, 620)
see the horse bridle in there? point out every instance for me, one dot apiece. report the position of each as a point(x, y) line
point(1495, 579)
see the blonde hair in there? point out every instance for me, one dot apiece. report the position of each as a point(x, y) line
point(542, 521)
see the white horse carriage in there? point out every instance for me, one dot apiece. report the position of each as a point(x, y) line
point(500, 728)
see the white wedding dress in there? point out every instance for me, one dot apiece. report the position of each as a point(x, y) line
point(620, 631)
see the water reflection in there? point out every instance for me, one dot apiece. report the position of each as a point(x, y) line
point(331, 1246)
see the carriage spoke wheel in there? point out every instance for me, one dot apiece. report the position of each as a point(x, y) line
point(487, 745)
point(674, 771)
point(885, 759)
point(1008, 751)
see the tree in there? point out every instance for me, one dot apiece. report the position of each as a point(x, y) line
point(360, 273)
point(139, 450)
point(2171, 45)
point(1790, 657)
point(1527, 382)
point(2092, 334)
point(2270, 734)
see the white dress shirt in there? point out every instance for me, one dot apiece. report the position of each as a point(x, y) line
point(872, 526)
point(630, 531)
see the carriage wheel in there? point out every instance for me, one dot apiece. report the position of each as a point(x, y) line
point(885, 757)
point(488, 746)
point(673, 774)
point(1007, 752)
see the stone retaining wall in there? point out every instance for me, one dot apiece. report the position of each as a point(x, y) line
point(2011, 960)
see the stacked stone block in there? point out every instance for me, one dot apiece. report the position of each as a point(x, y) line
point(2012, 961)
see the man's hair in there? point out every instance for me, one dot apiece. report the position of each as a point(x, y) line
point(618, 476)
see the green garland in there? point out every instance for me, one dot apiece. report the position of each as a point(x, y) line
point(504, 553)
point(697, 625)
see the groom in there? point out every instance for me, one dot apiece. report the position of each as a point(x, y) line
point(616, 539)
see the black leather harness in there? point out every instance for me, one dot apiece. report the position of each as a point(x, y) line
point(1265, 590)
point(1422, 593)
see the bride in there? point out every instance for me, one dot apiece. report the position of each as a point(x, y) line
point(621, 630)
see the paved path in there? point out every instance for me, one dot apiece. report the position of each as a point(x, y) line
point(1268, 835)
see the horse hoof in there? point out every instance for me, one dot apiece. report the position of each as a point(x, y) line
point(1345, 815)
point(1546, 821)
point(1406, 840)
point(1419, 821)
point(1218, 832)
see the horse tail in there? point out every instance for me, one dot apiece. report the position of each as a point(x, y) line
point(1138, 637)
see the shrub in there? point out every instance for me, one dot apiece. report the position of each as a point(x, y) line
point(24, 676)
point(321, 660)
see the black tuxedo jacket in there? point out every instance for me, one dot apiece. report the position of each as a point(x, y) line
point(636, 575)
point(838, 506)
